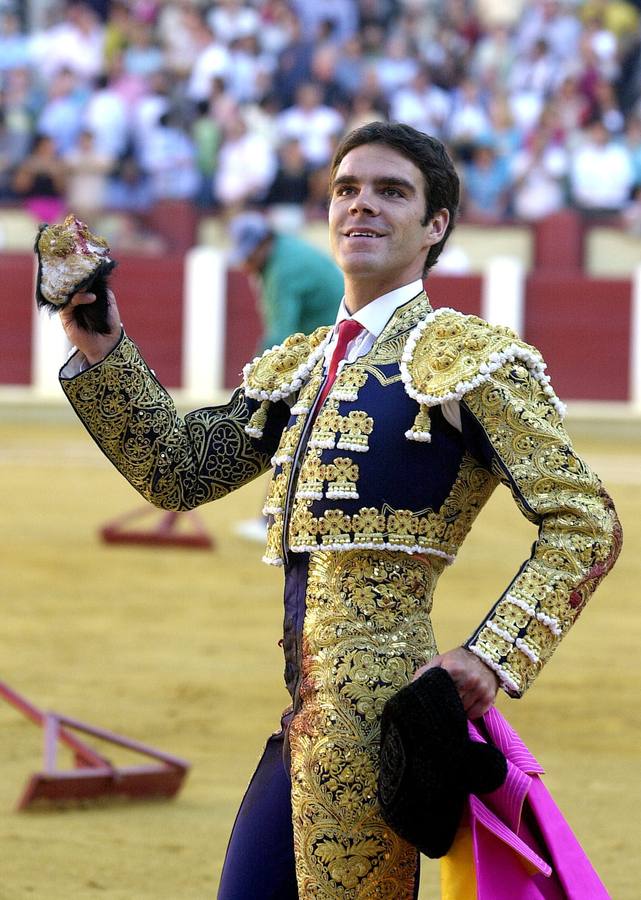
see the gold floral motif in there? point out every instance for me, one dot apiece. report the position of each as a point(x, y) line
point(579, 533)
point(369, 526)
point(440, 532)
point(174, 463)
point(289, 441)
point(274, 541)
point(367, 629)
point(348, 383)
point(311, 478)
point(275, 500)
point(341, 477)
point(326, 426)
point(355, 429)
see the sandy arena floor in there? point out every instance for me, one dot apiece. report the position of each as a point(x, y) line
point(180, 649)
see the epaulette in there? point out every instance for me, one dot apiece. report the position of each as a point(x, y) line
point(281, 371)
point(449, 354)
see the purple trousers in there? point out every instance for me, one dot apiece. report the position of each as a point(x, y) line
point(259, 864)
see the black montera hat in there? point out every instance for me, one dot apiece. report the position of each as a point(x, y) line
point(429, 764)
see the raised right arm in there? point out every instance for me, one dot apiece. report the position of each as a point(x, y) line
point(175, 463)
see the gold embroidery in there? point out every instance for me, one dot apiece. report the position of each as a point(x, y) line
point(348, 383)
point(579, 534)
point(435, 532)
point(312, 474)
point(355, 429)
point(341, 476)
point(326, 426)
point(284, 369)
point(275, 501)
point(448, 354)
point(289, 441)
point(366, 631)
point(174, 463)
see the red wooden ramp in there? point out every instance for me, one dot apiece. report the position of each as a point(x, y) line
point(168, 529)
point(94, 777)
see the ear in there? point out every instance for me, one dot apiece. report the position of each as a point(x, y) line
point(437, 226)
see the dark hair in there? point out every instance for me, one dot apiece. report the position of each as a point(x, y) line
point(441, 182)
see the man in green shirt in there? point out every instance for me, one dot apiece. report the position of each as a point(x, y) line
point(300, 287)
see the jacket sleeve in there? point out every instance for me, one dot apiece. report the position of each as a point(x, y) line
point(174, 463)
point(511, 424)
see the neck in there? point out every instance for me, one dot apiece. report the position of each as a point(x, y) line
point(358, 293)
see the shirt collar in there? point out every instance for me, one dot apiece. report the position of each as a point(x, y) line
point(375, 316)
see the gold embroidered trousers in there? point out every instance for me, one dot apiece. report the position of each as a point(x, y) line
point(366, 630)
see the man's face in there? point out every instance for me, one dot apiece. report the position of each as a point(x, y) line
point(376, 212)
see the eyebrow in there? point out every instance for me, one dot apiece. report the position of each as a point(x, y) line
point(381, 181)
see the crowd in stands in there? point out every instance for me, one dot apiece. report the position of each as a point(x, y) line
point(236, 103)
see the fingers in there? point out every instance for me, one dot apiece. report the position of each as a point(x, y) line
point(432, 664)
point(475, 682)
point(82, 298)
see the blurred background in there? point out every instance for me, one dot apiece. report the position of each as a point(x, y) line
point(158, 122)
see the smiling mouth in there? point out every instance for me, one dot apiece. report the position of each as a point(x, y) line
point(362, 234)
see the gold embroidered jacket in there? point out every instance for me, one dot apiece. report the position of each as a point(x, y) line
point(380, 467)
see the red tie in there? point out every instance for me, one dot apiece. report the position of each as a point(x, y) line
point(348, 329)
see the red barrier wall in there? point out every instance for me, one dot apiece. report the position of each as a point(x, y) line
point(16, 305)
point(150, 292)
point(243, 326)
point(582, 327)
point(462, 292)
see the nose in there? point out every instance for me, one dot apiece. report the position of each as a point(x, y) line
point(364, 202)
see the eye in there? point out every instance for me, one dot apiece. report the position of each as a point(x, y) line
point(343, 190)
point(392, 192)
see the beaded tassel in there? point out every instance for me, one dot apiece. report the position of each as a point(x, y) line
point(258, 421)
point(420, 430)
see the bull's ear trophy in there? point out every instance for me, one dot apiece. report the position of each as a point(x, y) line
point(72, 259)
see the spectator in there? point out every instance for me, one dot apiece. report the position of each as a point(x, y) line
point(11, 153)
point(233, 20)
point(14, 45)
point(312, 123)
point(633, 145)
point(294, 66)
point(206, 135)
point(88, 169)
point(486, 186)
point(40, 181)
point(212, 61)
point(468, 120)
point(142, 56)
point(397, 67)
point(249, 70)
point(246, 167)
point(105, 116)
point(342, 14)
point(601, 173)
point(348, 70)
point(289, 191)
point(61, 117)
point(74, 44)
point(421, 104)
point(184, 34)
point(128, 188)
point(169, 161)
point(492, 58)
point(539, 173)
